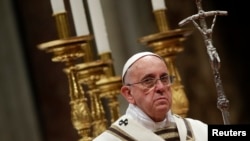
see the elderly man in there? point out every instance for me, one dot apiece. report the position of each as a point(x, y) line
point(146, 87)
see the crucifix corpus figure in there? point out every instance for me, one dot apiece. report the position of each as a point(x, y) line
point(223, 103)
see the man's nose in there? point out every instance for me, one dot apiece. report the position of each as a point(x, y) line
point(158, 83)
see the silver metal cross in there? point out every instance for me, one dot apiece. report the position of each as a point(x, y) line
point(222, 101)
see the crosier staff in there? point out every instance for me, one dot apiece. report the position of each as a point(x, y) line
point(222, 101)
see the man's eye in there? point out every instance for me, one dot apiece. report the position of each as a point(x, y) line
point(165, 79)
point(148, 80)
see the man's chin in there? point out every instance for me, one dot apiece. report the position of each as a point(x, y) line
point(162, 107)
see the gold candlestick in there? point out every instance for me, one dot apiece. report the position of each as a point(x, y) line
point(89, 73)
point(83, 72)
point(109, 86)
point(168, 43)
point(162, 23)
point(80, 113)
point(67, 51)
point(62, 25)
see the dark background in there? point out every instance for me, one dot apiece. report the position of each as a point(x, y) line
point(49, 83)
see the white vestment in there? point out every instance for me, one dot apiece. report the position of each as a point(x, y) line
point(136, 126)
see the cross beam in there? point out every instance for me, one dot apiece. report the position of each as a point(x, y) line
point(222, 101)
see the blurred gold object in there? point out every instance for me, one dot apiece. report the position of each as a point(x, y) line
point(89, 81)
point(80, 112)
point(62, 25)
point(162, 23)
point(68, 51)
point(168, 44)
point(88, 74)
point(109, 86)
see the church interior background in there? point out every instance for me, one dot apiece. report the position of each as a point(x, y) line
point(34, 92)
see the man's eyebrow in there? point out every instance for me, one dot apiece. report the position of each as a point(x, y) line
point(152, 75)
point(165, 74)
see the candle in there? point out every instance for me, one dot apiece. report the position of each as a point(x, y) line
point(79, 17)
point(57, 6)
point(99, 28)
point(158, 5)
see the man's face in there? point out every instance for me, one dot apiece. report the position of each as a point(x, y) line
point(156, 100)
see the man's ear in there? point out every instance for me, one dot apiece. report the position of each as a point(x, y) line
point(126, 93)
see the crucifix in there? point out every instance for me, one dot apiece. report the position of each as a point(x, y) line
point(222, 101)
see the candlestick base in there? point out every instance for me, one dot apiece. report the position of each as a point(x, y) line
point(69, 51)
